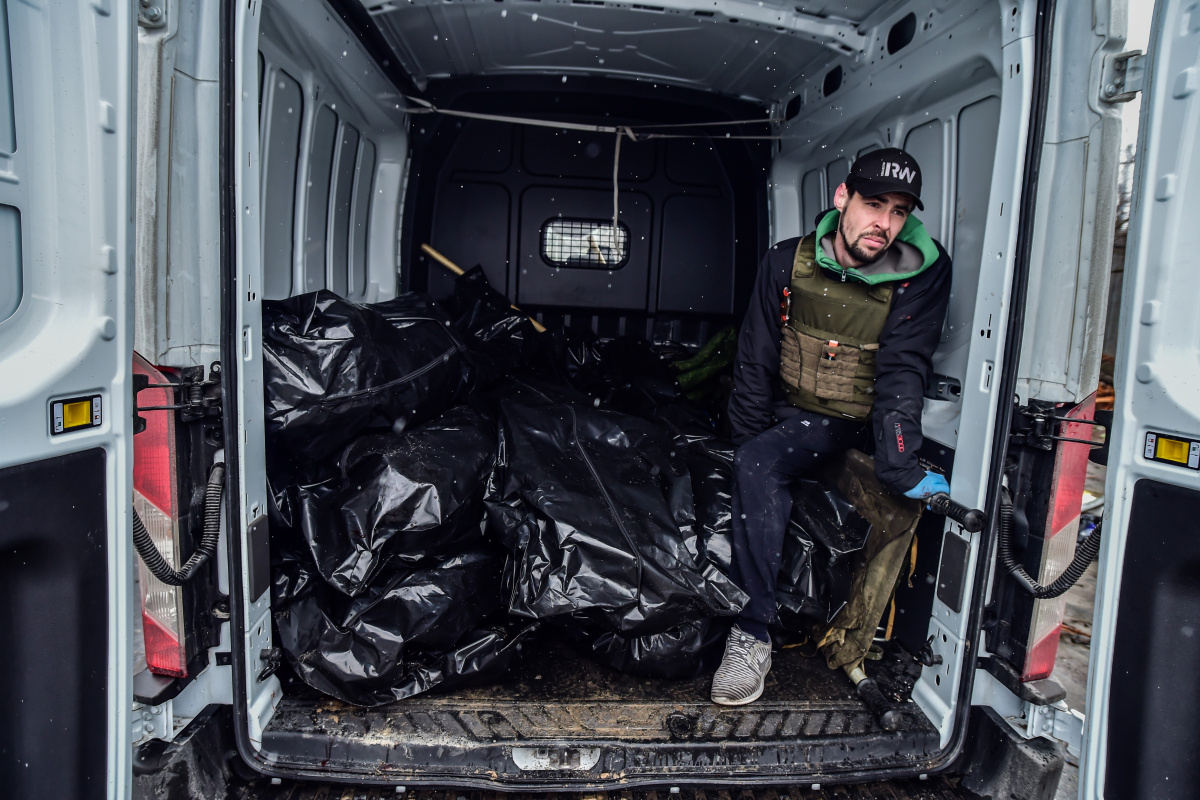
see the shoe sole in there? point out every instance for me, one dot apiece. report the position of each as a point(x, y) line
point(757, 694)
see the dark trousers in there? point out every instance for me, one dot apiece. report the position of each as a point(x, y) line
point(762, 503)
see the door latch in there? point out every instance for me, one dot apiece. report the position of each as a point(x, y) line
point(271, 660)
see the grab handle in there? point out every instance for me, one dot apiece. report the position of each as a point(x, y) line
point(970, 518)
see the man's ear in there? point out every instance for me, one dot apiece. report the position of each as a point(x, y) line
point(840, 197)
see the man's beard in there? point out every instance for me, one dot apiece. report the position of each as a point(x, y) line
point(860, 254)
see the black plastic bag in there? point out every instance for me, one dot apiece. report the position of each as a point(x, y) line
point(710, 464)
point(693, 648)
point(685, 651)
point(824, 536)
point(626, 374)
point(332, 368)
point(501, 339)
point(408, 498)
point(595, 507)
point(411, 630)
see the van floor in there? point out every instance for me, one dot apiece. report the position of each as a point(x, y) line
point(553, 696)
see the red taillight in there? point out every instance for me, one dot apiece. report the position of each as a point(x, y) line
point(1062, 529)
point(1039, 659)
point(155, 489)
point(164, 651)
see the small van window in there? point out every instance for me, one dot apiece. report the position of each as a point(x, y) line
point(320, 173)
point(927, 145)
point(364, 180)
point(8, 126)
point(281, 153)
point(340, 209)
point(835, 172)
point(585, 243)
point(10, 261)
point(812, 195)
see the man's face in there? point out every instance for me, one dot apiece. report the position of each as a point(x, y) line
point(868, 225)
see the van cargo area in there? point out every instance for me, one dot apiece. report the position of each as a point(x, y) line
point(381, 126)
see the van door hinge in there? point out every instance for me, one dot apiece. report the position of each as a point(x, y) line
point(196, 397)
point(152, 13)
point(1038, 427)
point(1055, 721)
point(1028, 718)
point(1123, 77)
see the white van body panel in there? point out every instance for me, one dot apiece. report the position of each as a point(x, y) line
point(1077, 194)
point(178, 290)
point(1158, 355)
point(66, 290)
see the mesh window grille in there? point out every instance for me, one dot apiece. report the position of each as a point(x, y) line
point(585, 243)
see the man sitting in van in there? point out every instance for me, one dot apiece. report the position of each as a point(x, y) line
point(837, 341)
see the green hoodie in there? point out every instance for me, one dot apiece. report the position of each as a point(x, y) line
point(913, 233)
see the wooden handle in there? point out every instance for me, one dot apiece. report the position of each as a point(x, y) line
point(457, 270)
point(441, 259)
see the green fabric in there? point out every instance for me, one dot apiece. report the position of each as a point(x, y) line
point(893, 518)
point(827, 309)
point(913, 233)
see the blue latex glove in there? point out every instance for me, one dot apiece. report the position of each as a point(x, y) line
point(930, 485)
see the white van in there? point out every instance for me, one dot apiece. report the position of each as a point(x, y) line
point(168, 165)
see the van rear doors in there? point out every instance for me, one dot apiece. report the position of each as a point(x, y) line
point(1143, 730)
point(66, 339)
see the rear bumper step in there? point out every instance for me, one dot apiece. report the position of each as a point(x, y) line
point(592, 743)
point(933, 789)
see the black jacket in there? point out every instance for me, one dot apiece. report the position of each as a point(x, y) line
point(902, 366)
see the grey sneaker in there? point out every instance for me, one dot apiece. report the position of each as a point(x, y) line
point(743, 671)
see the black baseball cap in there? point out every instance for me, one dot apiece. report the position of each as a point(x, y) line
point(888, 170)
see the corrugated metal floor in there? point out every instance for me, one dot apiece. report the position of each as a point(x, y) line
point(933, 789)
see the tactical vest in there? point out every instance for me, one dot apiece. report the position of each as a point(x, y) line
point(827, 361)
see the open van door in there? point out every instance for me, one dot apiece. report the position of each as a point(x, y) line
point(1143, 725)
point(66, 230)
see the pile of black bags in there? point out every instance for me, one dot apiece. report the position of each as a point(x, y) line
point(448, 482)
point(384, 584)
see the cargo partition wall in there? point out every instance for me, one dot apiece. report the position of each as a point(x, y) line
point(483, 192)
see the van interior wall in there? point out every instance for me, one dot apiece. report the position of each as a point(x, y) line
point(328, 167)
point(484, 192)
point(333, 144)
point(937, 95)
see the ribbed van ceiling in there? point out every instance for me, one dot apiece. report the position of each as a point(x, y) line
point(744, 48)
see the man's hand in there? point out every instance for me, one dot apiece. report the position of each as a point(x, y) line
point(930, 485)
